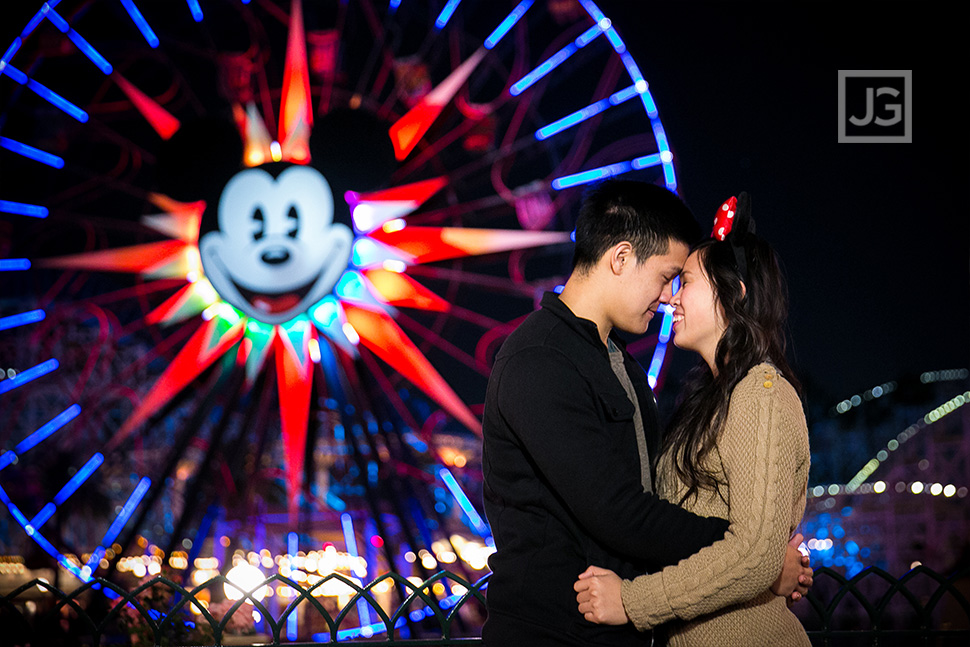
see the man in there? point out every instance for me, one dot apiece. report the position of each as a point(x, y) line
point(571, 429)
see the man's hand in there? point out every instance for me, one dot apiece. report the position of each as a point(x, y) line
point(795, 578)
point(598, 595)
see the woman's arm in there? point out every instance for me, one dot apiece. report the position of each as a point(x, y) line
point(764, 442)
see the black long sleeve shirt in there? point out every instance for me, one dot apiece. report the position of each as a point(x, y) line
point(562, 480)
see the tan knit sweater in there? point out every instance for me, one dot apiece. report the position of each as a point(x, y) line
point(720, 595)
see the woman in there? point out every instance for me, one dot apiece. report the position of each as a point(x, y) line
point(737, 448)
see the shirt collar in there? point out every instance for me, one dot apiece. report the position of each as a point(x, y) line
point(586, 328)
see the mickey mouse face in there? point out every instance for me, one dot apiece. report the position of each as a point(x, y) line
point(277, 250)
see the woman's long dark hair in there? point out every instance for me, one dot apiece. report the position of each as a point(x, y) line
point(755, 333)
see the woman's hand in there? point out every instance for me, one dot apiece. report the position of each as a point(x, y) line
point(795, 579)
point(598, 595)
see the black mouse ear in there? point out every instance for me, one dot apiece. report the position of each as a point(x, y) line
point(744, 223)
point(353, 150)
point(198, 160)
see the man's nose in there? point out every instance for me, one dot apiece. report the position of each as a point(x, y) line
point(669, 296)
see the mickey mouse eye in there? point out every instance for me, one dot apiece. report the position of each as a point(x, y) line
point(294, 217)
point(259, 228)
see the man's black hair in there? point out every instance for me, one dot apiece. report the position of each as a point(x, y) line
point(646, 215)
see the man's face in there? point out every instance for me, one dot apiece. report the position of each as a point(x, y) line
point(644, 286)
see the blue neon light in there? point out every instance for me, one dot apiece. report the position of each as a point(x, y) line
point(14, 264)
point(592, 10)
point(350, 539)
point(31, 373)
point(478, 524)
point(625, 94)
point(196, 10)
point(572, 119)
point(78, 479)
point(119, 523)
point(47, 428)
point(544, 68)
point(8, 458)
point(42, 541)
point(8, 55)
point(507, 24)
point(446, 13)
point(615, 40)
point(32, 25)
point(585, 177)
point(587, 36)
point(646, 161)
point(79, 41)
point(41, 517)
point(583, 114)
point(140, 22)
point(366, 631)
point(292, 547)
point(665, 155)
point(22, 209)
point(666, 325)
point(656, 363)
point(22, 319)
point(394, 5)
point(56, 100)
point(15, 74)
point(31, 152)
point(555, 60)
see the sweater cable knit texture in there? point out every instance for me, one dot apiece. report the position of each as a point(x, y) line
point(720, 595)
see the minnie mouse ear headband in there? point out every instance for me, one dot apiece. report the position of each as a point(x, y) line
point(733, 224)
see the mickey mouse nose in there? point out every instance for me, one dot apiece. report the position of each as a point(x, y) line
point(275, 256)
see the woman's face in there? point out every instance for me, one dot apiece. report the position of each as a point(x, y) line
point(698, 316)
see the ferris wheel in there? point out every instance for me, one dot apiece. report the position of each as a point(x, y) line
point(257, 256)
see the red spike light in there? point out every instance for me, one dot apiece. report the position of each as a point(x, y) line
point(296, 110)
point(164, 123)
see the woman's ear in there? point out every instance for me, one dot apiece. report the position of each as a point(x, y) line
point(744, 289)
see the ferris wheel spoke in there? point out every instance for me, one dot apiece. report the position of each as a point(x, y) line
point(28, 375)
point(139, 20)
point(72, 485)
point(22, 319)
point(43, 432)
point(119, 523)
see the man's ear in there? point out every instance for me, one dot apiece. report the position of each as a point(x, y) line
point(621, 255)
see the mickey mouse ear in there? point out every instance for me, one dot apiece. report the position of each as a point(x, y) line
point(734, 216)
point(724, 218)
point(744, 223)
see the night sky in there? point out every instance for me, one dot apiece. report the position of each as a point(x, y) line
point(874, 236)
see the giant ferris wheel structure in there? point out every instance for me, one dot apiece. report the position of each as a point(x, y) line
point(257, 256)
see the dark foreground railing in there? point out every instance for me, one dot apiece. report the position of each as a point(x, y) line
point(873, 608)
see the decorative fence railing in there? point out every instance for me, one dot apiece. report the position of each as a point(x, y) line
point(873, 608)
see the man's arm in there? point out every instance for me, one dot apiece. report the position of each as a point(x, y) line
point(563, 433)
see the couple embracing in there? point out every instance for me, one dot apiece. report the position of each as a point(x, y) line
point(607, 531)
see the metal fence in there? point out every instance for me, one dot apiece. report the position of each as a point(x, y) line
point(873, 608)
